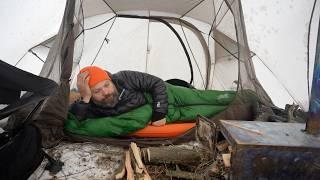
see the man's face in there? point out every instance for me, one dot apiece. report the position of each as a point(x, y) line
point(105, 94)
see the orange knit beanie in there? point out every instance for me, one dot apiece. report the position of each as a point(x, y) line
point(96, 75)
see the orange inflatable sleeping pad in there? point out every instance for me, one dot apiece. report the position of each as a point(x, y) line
point(166, 131)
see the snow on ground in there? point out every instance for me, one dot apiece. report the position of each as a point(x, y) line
point(82, 161)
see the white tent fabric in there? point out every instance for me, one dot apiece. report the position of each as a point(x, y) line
point(278, 34)
point(149, 48)
point(167, 48)
point(280, 43)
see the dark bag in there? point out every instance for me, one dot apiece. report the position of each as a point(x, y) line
point(21, 142)
point(20, 153)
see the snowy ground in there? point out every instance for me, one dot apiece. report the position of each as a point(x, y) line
point(82, 161)
point(88, 161)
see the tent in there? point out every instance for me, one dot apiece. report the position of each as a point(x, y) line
point(26, 30)
point(203, 42)
point(213, 44)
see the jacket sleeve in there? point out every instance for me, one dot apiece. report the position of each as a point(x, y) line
point(148, 83)
point(79, 109)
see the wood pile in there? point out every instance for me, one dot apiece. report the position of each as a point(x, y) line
point(175, 162)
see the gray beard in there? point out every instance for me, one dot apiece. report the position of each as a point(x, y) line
point(109, 104)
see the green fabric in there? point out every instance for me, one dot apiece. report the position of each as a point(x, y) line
point(111, 126)
point(184, 105)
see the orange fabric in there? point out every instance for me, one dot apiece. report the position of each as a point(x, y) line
point(168, 130)
point(96, 75)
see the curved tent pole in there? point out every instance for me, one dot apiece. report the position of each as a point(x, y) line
point(174, 31)
point(203, 43)
point(308, 45)
point(313, 122)
point(194, 58)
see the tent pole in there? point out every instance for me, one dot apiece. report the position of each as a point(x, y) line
point(159, 19)
point(313, 122)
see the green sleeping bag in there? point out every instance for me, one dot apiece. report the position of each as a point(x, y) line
point(184, 105)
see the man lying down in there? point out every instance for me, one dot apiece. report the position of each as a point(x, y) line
point(114, 105)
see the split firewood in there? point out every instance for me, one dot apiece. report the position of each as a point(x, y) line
point(146, 174)
point(137, 154)
point(137, 169)
point(138, 161)
point(173, 155)
point(222, 145)
point(130, 174)
point(121, 171)
point(145, 155)
point(134, 163)
point(226, 159)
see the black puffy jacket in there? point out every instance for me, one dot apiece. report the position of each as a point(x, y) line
point(131, 86)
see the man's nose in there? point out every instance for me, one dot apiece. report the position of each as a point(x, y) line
point(106, 91)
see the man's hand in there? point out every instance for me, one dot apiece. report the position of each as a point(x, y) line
point(83, 86)
point(160, 122)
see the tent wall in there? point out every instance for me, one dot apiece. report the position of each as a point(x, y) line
point(232, 27)
point(137, 44)
point(278, 35)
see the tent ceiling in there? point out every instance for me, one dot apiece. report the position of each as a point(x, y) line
point(176, 7)
point(198, 9)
